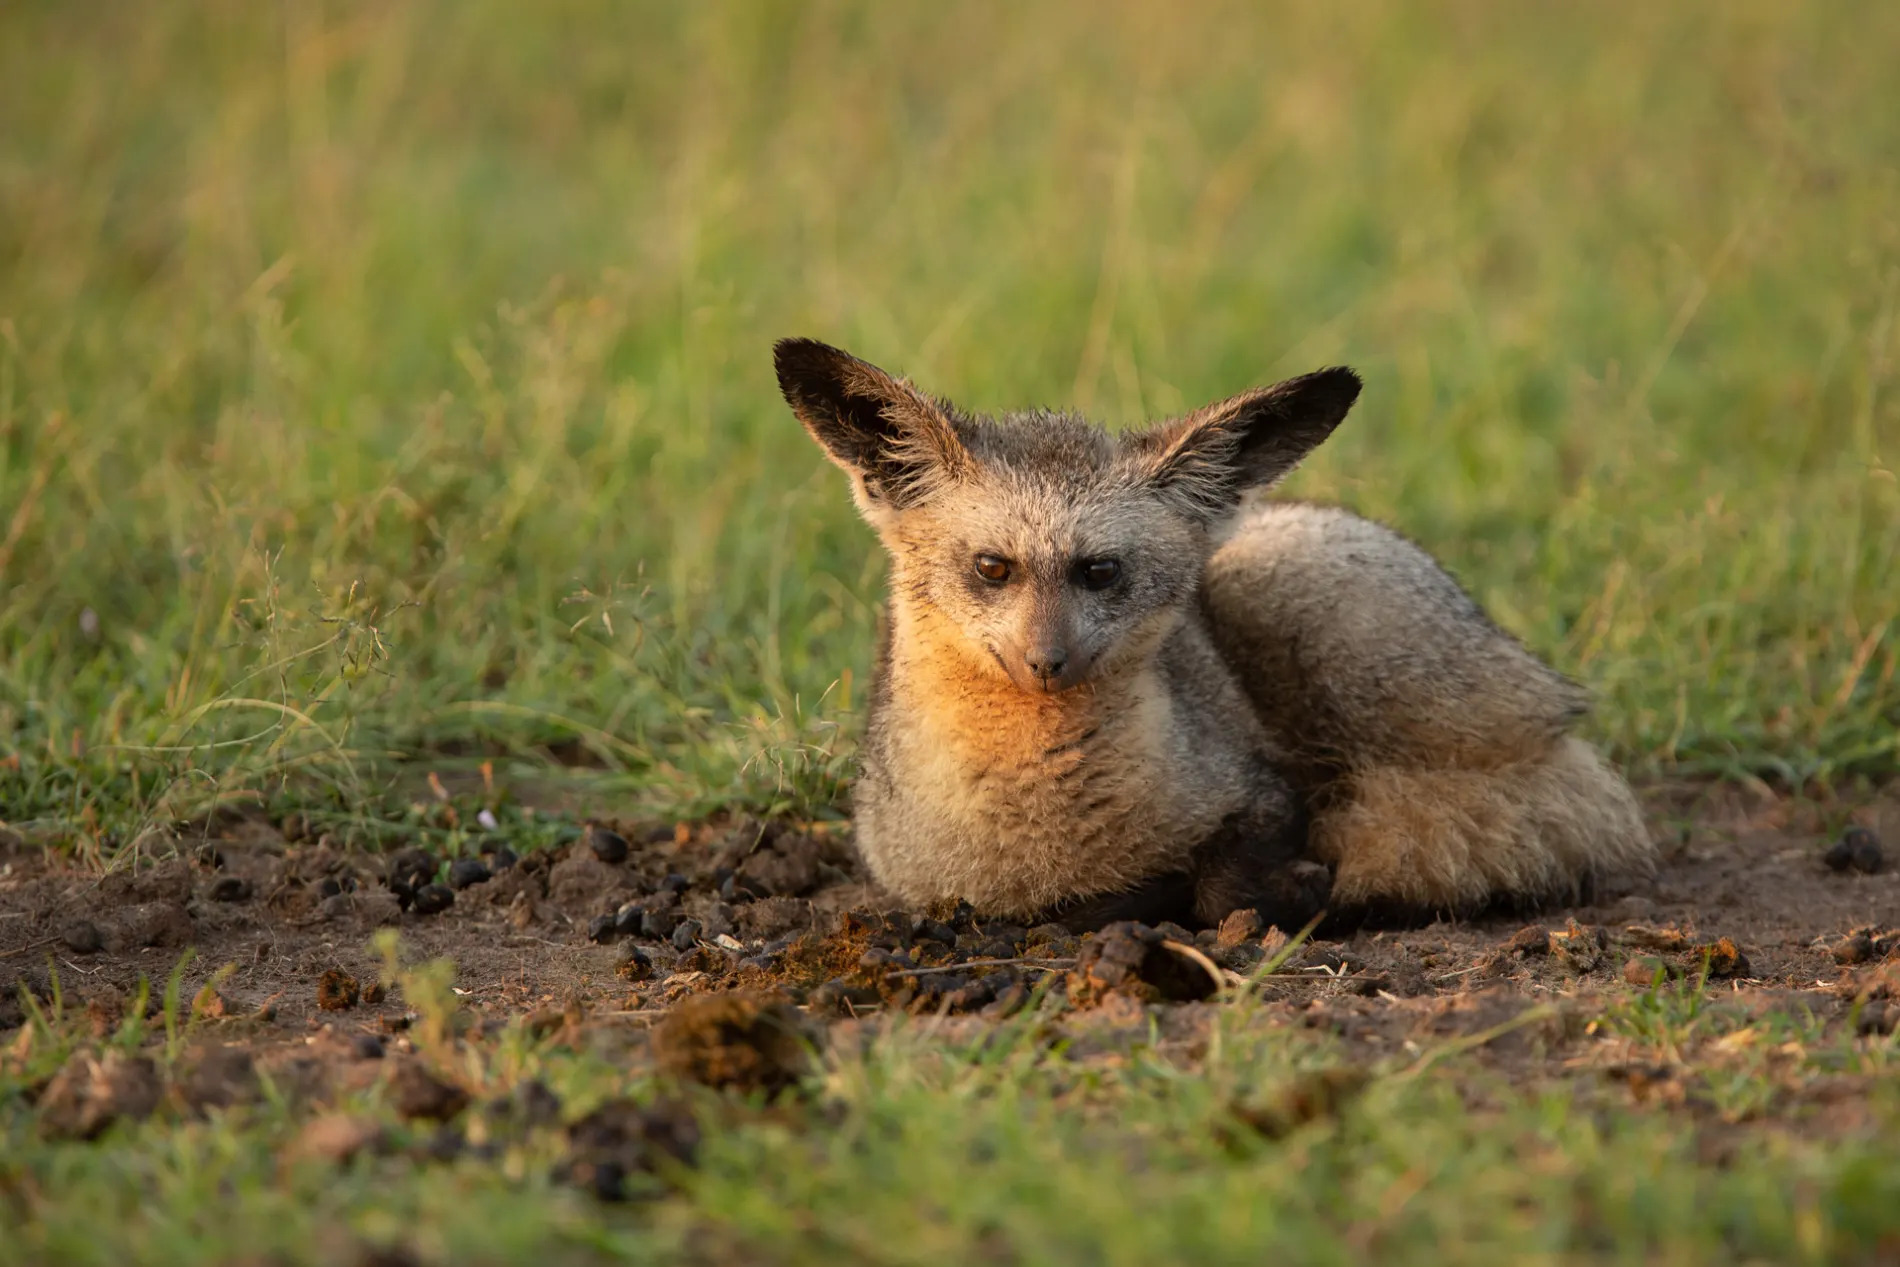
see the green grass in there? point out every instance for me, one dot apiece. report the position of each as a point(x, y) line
point(384, 382)
point(391, 379)
point(1012, 1148)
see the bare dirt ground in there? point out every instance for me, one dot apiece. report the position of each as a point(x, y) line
point(605, 935)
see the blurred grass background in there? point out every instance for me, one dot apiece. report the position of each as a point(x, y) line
point(392, 379)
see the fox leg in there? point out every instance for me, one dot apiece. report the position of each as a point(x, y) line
point(1258, 858)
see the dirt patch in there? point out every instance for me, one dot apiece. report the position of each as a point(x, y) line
point(91, 1092)
point(759, 936)
point(740, 1039)
point(622, 1140)
point(1145, 964)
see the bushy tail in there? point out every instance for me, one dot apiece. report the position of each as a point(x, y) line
point(1454, 839)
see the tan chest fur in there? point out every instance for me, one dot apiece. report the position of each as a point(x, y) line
point(1006, 797)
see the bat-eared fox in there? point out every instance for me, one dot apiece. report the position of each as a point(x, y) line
point(1112, 686)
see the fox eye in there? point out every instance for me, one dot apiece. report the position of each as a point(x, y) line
point(992, 569)
point(1099, 574)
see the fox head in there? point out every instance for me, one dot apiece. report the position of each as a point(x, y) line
point(1039, 546)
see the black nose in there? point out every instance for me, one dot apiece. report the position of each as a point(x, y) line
point(1047, 662)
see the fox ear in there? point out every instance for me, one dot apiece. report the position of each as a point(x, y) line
point(1213, 455)
point(899, 445)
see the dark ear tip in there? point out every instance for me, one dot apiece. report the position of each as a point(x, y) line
point(789, 356)
point(1338, 380)
point(1327, 393)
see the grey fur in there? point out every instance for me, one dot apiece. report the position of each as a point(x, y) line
point(1041, 740)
